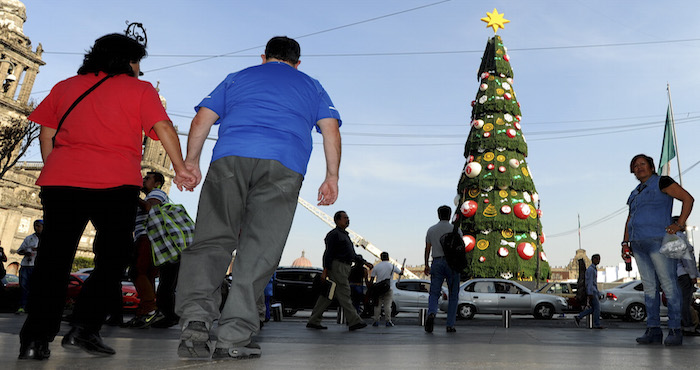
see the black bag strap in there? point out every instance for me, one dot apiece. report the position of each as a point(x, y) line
point(81, 97)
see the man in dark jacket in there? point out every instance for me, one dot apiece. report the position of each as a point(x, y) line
point(337, 262)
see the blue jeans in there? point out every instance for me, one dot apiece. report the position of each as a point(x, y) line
point(25, 272)
point(594, 308)
point(658, 270)
point(439, 272)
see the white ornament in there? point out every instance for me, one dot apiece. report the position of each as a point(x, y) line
point(478, 123)
point(483, 87)
point(510, 80)
point(506, 85)
point(526, 195)
point(483, 99)
point(533, 235)
point(508, 117)
point(473, 169)
point(535, 197)
point(457, 199)
point(514, 163)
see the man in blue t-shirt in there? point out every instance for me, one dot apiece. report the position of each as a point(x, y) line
point(265, 115)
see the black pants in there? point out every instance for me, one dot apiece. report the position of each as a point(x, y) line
point(66, 213)
point(165, 296)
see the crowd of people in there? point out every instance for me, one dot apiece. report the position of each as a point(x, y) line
point(90, 139)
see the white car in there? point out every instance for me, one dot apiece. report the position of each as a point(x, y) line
point(492, 296)
point(626, 301)
point(411, 295)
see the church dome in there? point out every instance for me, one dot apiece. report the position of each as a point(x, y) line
point(301, 261)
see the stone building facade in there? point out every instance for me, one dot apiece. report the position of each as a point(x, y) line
point(20, 204)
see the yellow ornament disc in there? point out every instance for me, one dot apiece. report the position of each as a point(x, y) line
point(513, 193)
point(501, 158)
point(488, 127)
point(499, 121)
point(500, 91)
point(533, 211)
point(503, 193)
point(491, 78)
point(473, 192)
point(507, 233)
point(489, 156)
point(482, 244)
point(525, 172)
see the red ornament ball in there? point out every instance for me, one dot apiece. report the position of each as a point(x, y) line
point(487, 134)
point(521, 210)
point(526, 250)
point(485, 75)
point(469, 208)
point(510, 132)
point(506, 209)
point(503, 251)
point(469, 243)
point(482, 259)
point(473, 103)
point(502, 168)
point(507, 96)
point(542, 238)
point(506, 58)
point(490, 166)
point(517, 125)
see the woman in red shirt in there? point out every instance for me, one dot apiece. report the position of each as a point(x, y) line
point(92, 172)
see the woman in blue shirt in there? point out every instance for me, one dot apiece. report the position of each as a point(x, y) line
point(650, 206)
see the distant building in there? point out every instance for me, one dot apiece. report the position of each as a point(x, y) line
point(302, 261)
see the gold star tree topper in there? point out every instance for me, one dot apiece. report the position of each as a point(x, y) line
point(494, 20)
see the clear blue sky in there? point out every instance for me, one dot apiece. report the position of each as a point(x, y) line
point(591, 77)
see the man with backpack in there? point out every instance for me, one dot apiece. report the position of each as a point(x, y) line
point(440, 271)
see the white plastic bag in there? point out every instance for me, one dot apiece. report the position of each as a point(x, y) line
point(673, 246)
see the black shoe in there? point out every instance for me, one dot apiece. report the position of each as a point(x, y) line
point(359, 325)
point(577, 320)
point(34, 350)
point(80, 339)
point(451, 329)
point(114, 321)
point(166, 323)
point(429, 323)
point(316, 326)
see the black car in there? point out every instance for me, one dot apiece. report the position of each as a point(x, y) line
point(297, 288)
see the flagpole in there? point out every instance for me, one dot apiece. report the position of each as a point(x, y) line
point(579, 231)
point(675, 141)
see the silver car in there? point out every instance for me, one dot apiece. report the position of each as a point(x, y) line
point(492, 296)
point(411, 295)
point(626, 301)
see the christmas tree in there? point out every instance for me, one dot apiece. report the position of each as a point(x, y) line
point(498, 204)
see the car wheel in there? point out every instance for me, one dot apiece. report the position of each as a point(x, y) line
point(544, 311)
point(636, 312)
point(288, 312)
point(394, 311)
point(466, 311)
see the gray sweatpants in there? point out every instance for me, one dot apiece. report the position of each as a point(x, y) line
point(246, 205)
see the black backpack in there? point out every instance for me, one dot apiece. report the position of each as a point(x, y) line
point(581, 294)
point(453, 247)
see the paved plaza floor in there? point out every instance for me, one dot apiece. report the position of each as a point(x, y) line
point(481, 343)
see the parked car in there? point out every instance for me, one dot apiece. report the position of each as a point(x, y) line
point(492, 296)
point(409, 295)
point(297, 288)
point(9, 295)
point(626, 301)
point(130, 298)
point(567, 290)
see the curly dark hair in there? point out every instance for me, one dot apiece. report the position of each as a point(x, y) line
point(112, 54)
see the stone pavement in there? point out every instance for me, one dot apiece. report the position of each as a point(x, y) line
point(479, 343)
